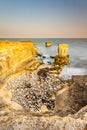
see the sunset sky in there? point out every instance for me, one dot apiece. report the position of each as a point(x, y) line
point(43, 18)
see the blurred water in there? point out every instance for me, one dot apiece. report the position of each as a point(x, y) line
point(77, 52)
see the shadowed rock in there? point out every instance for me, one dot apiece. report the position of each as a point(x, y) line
point(73, 98)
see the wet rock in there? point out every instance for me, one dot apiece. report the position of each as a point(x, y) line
point(48, 44)
point(52, 56)
point(62, 60)
point(48, 62)
point(38, 53)
point(43, 57)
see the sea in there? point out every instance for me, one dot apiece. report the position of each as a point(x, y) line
point(77, 53)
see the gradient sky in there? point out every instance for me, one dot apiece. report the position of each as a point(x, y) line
point(43, 18)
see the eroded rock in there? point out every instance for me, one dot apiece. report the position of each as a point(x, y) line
point(16, 56)
point(35, 89)
point(48, 44)
point(73, 98)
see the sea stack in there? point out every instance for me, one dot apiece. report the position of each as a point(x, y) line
point(63, 57)
point(63, 50)
point(48, 44)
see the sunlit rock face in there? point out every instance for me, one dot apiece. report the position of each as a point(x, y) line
point(17, 56)
point(62, 58)
point(48, 44)
point(63, 50)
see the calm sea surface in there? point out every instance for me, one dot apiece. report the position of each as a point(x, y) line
point(77, 52)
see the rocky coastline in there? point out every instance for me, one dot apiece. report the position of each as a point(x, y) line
point(40, 99)
point(47, 102)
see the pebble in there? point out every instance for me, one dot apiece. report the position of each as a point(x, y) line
point(32, 91)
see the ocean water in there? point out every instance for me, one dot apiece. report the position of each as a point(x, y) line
point(77, 53)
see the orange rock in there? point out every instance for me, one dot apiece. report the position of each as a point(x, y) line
point(48, 44)
point(14, 55)
point(63, 50)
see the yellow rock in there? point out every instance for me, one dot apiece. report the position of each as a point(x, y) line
point(15, 55)
point(63, 50)
point(44, 109)
point(48, 44)
point(6, 98)
point(62, 60)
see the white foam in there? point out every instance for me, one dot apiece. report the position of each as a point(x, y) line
point(69, 71)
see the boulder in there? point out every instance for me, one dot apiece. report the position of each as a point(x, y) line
point(82, 114)
point(52, 56)
point(25, 121)
point(62, 50)
point(62, 60)
point(48, 44)
point(72, 98)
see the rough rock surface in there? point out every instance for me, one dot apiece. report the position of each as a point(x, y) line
point(16, 56)
point(34, 89)
point(21, 120)
point(73, 98)
point(49, 120)
point(48, 44)
point(82, 114)
point(39, 100)
point(25, 120)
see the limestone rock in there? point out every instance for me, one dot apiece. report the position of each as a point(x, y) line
point(62, 60)
point(25, 121)
point(62, 50)
point(14, 56)
point(82, 114)
point(44, 108)
point(48, 44)
point(73, 98)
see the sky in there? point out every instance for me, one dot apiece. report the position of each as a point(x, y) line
point(43, 18)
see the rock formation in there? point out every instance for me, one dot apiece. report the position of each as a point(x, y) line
point(11, 119)
point(16, 56)
point(62, 50)
point(35, 89)
point(62, 58)
point(48, 44)
point(38, 99)
point(73, 97)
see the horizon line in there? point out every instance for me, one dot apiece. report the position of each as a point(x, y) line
point(43, 37)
